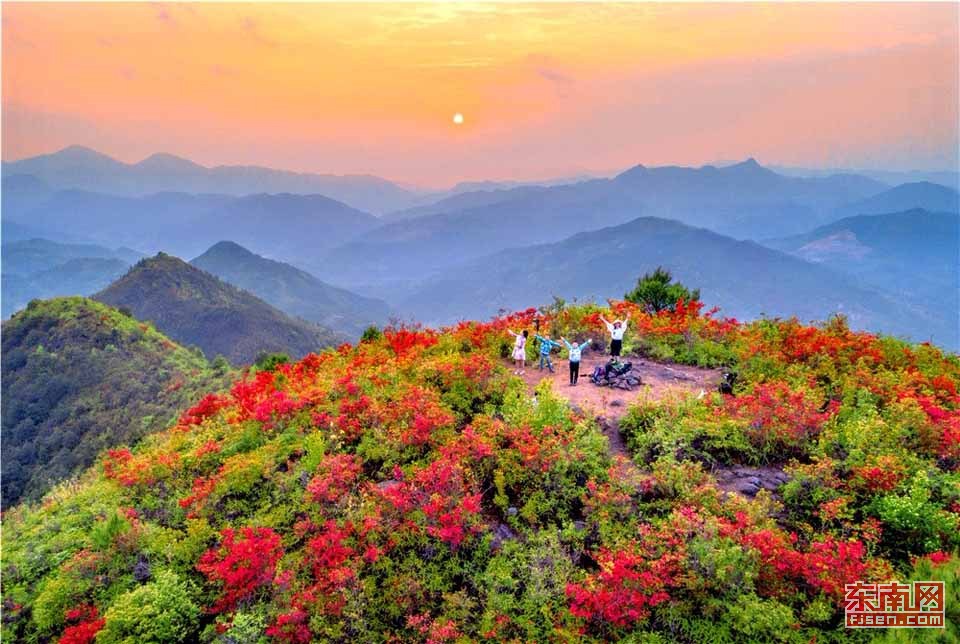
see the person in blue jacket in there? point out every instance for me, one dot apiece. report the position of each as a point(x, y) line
point(546, 346)
point(575, 351)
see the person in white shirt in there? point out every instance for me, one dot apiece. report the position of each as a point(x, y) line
point(519, 354)
point(616, 329)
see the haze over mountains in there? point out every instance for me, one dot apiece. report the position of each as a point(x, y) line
point(744, 279)
point(81, 168)
point(316, 257)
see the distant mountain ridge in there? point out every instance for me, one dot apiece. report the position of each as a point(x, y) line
point(915, 254)
point(923, 194)
point(81, 168)
point(292, 290)
point(742, 200)
point(40, 268)
point(743, 278)
point(288, 225)
point(196, 308)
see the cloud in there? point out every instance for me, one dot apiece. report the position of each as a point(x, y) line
point(128, 73)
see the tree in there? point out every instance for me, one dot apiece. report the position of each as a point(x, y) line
point(657, 291)
point(270, 361)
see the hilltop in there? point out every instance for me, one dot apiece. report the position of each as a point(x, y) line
point(292, 290)
point(197, 309)
point(78, 377)
point(410, 488)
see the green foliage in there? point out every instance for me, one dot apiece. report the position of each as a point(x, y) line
point(163, 610)
point(371, 334)
point(657, 291)
point(270, 361)
point(78, 377)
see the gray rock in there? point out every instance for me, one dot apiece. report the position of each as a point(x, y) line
point(747, 488)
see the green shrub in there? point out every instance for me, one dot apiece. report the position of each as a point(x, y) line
point(161, 611)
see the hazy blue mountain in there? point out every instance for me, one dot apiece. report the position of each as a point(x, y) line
point(292, 290)
point(81, 168)
point(78, 276)
point(414, 249)
point(196, 308)
point(744, 200)
point(284, 225)
point(743, 278)
point(948, 178)
point(40, 268)
point(915, 254)
point(21, 192)
point(32, 255)
point(928, 196)
point(464, 201)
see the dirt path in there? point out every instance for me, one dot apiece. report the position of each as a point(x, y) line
point(658, 380)
point(609, 405)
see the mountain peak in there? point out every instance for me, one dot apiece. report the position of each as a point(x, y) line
point(196, 308)
point(227, 249)
point(168, 162)
point(80, 153)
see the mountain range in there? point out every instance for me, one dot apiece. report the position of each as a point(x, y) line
point(743, 200)
point(299, 251)
point(81, 168)
point(39, 268)
point(913, 253)
point(295, 226)
point(746, 280)
point(196, 308)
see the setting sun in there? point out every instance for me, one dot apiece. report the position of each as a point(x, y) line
point(458, 119)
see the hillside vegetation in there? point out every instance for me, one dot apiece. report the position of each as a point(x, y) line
point(78, 377)
point(197, 309)
point(409, 489)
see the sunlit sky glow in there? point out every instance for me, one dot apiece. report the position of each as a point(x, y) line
point(545, 90)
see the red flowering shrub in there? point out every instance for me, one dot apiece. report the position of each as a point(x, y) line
point(208, 407)
point(336, 476)
point(779, 420)
point(244, 561)
point(883, 474)
point(86, 625)
point(622, 593)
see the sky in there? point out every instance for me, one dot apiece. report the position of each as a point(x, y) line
point(544, 90)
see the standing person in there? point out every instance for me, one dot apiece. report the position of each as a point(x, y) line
point(575, 351)
point(519, 351)
point(616, 329)
point(546, 346)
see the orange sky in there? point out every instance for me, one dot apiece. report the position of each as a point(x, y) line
point(545, 89)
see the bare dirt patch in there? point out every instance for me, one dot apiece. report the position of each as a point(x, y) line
point(658, 380)
point(608, 405)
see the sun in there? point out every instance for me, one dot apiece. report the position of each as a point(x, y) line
point(458, 119)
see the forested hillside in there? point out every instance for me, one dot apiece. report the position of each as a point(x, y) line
point(78, 377)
